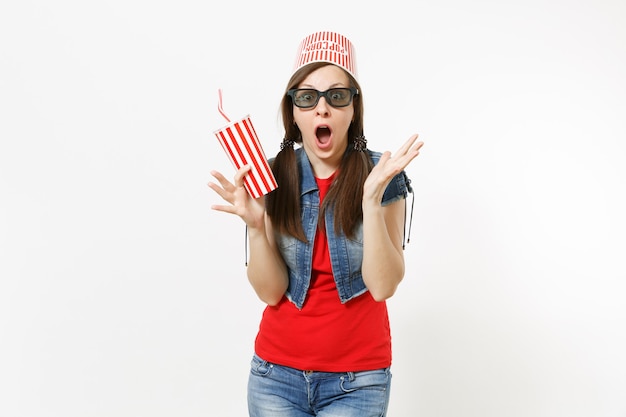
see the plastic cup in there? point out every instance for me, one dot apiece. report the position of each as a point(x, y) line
point(242, 146)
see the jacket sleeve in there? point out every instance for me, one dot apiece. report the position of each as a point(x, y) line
point(398, 188)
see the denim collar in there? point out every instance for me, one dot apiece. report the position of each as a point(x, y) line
point(307, 181)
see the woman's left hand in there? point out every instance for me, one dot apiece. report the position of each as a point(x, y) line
point(388, 167)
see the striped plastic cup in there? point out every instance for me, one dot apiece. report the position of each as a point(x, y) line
point(242, 146)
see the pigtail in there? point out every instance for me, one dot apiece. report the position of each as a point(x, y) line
point(346, 193)
point(281, 206)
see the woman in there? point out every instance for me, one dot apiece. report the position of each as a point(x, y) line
point(326, 247)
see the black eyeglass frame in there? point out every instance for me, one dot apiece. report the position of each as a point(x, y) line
point(292, 93)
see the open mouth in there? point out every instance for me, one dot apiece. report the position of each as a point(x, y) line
point(323, 134)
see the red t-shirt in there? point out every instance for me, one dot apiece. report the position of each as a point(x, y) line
point(326, 335)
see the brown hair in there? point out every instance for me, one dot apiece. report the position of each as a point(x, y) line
point(346, 193)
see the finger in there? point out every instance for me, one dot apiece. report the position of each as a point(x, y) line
point(410, 149)
point(224, 208)
point(414, 150)
point(241, 175)
point(219, 190)
point(407, 145)
point(406, 159)
point(404, 156)
point(419, 145)
point(222, 180)
point(384, 158)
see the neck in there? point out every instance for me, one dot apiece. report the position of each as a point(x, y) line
point(324, 167)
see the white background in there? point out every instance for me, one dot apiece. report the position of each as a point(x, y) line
point(123, 294)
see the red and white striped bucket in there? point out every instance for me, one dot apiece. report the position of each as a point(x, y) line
point(242, 146)
point(327, 47)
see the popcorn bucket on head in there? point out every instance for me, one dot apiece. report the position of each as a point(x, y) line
point(328, 47)
point(242, 146)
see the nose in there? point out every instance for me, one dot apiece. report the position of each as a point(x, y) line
point(322, 106)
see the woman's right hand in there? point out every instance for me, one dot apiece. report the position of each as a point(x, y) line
point(251, 211)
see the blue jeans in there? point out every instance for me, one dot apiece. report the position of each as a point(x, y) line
point(280, 391)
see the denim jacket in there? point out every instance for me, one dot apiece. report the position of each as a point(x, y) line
point(346, 254)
